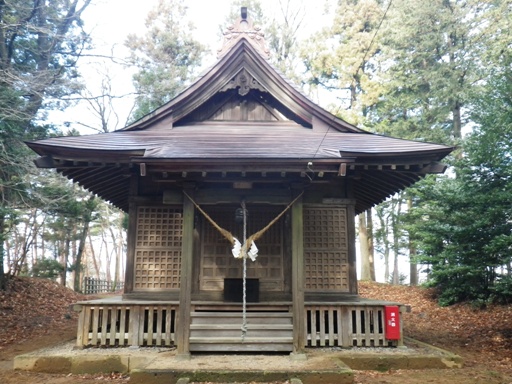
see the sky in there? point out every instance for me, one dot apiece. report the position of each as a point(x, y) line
point(110, 22)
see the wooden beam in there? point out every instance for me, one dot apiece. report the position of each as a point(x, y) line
point(251, 196)
point(351, 245)
point(45, 162)
point(183, 331)
point(434, 167)
point(299, 342)
point(132, 235)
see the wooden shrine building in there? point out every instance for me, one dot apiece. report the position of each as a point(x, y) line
point(240, 135)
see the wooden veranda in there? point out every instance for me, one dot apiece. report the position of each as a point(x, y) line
point(217, 326)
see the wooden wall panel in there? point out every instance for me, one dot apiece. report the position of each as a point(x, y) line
point(158, 248)
point(326, 248)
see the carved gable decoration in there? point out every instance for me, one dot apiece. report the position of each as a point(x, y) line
point(244, 27)
point(244, 81)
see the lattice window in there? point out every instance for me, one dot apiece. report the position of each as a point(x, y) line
point(326, 248)
point(217, 261)
point(158, 248)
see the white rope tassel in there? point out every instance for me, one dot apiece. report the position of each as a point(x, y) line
point(244, 257)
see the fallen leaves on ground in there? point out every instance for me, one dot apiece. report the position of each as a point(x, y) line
point(30, 307)
point(486, 332)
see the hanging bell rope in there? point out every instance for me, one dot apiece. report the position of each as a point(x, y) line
point(248, 247)
point(223, 231)
point(260, 233)
point(244, 280)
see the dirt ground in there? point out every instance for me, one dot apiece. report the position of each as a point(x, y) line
point(477, 368)
point(487, 349)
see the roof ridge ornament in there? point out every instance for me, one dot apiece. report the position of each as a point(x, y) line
point(244, 28)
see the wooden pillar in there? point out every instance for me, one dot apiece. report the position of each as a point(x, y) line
point(298, 277)
point(129, 273)
point(351, 233)
point(183, 331)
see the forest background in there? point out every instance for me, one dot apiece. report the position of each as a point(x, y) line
point(434, 70)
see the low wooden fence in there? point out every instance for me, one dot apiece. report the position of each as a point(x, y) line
point(155, 324)
point(346, 326)
point(125, 325)
point(92, 286)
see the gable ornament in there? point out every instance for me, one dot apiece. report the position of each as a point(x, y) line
point(244, 28)
point(244, 81)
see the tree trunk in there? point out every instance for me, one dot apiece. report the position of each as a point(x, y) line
point(386, 262)
point(65, 258)
point(413, 267)
point(78, 260)
point(396, 273)
point(363, 246)
point(371, 248)
point(366, 246)
point(396, 250)
point(395, 214)
point(94, 261)
point(116, 256)
point(3, 278)
point(413, 270)
point(457, 120)
point(384, 224)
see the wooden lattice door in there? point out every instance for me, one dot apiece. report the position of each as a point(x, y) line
point(158, 248)
point(326, 249)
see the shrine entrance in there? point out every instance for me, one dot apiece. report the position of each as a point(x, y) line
point(220, 274)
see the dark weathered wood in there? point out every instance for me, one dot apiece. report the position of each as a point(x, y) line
point(219, 196)
point(351, 243)
point(131, 238)
point(186, 275)
point(167, 295)
point(298, 276)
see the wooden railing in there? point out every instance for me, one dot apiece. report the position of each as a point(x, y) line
point(155, 324)
point(92, 286)
point(124, 325)
point(346, 326)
